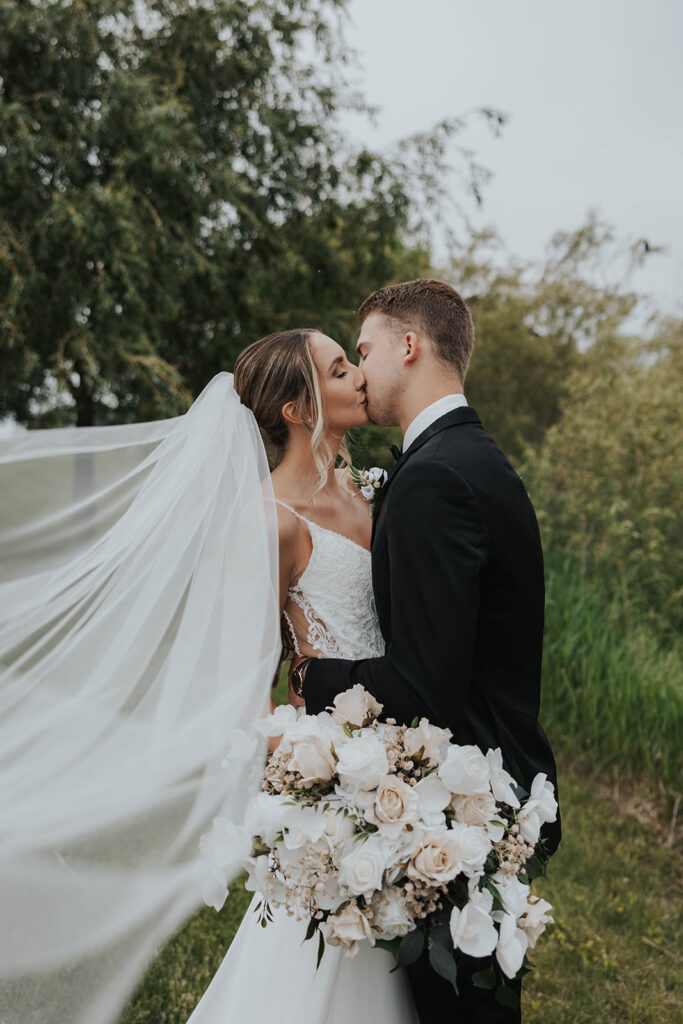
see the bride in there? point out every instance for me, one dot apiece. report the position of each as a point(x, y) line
point(305, 395)
point(145, 587)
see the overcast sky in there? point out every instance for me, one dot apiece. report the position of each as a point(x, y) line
point(594, 91)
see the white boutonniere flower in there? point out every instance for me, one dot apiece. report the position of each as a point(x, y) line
point(369, 482)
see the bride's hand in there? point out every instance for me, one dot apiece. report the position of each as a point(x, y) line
point(294, 698)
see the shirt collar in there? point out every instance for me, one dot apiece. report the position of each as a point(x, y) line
point(428, 416)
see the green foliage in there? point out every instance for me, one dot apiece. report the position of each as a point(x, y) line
point(608, 481)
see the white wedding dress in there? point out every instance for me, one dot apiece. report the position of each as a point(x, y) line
point(269, 974)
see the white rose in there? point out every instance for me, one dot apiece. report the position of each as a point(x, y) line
point(534, 919)
point(264, 816)
point(465, 771)
point(377, 475)
point(501, 781)
point(390, 917)
point(313, 759)
point(432, 797)
point(434, 740)
point(347, 928)
point(478, 809)
point(361, 871)
point(473, 846)
point(543, 796)
point(395, 803)
point(367, 491)
point(511, 947)
point(472, 929)
point(362, 762)
point(355, 707)
point(436, 858)
point(225, 848)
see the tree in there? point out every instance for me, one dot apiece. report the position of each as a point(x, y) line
point(172, 185)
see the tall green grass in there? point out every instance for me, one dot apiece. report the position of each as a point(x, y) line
point(612, 684)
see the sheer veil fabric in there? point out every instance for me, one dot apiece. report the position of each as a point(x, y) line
point(139, 636)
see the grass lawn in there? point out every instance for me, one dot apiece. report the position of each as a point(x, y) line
point(613, 956)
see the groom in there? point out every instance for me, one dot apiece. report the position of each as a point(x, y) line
point(457, 572)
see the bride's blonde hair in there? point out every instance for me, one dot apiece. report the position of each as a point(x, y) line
point(278, 369)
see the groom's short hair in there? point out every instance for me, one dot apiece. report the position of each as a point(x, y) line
point(434, 307)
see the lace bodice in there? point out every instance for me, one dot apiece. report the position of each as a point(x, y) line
point(331, 607)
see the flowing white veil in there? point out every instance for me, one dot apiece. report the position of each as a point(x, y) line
point(139, 628)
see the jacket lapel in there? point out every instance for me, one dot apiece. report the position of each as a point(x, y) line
point(454, 418)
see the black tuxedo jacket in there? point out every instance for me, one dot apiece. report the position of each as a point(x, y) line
point(457, 571)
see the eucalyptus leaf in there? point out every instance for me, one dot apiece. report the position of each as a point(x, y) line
point(410, 949)
point(444, 964)
point(507, 996)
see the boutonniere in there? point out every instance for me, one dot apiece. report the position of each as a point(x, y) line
point(369, 482)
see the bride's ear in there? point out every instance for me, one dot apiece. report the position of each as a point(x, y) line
point(290, 414)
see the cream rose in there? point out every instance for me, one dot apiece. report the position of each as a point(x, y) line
point(395, 801)
point(433, 739)
point(355, 707)
point(313, 759)
point(437, 858)
point(347, 928)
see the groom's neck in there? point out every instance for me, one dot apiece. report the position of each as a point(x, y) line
point(423, 394)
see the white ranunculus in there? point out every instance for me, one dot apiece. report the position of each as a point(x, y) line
point(473, 845)
point(534, 919)
point(347, 928)
point(225, 848)
point(361, 870)
point(513, 893)
point(434, 740)
point(465, 771)
point(501, 781)
point(543, 796)
point(362, 761)
point(437, 858)
point(390, 917)
point(432, 797)
point(241, 747)
point(395, 804)
point(338, 827)
point(258, 873)
point(511, 947)
point(284, 716)
point(472, 928)
point(529, 822)
point(302, 824)
point(355, 707)
point(264, 816)
point(313, 759)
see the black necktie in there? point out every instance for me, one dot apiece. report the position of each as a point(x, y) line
point(396, 452)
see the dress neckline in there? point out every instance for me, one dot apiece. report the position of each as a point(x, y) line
point(325, 529)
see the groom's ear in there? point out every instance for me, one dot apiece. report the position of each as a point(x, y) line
point(411, 344)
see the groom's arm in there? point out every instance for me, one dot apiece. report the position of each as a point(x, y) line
point(437, 546)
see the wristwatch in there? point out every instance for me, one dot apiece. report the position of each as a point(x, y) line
point(298, 677)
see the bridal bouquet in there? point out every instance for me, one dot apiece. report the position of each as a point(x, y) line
point(393, 835)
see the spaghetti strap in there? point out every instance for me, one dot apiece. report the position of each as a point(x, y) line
point(290, 509)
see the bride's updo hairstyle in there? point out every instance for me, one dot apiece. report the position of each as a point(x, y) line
point(278, 369)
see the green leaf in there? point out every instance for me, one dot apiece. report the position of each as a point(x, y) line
point(347, 730)
point(441, 934)
point(310, 931)
point(321, 949)
point(444, 964)
point(507, 996)
point(415, 722)
point(485, 979)
point(391, 945)
point(410, 949)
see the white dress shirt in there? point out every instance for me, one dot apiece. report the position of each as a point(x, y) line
point(433, 412)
